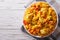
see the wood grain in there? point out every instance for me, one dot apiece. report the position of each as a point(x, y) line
point(11, 16)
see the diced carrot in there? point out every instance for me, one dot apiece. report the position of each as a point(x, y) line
point(36, 8)
point(34, 32)
point(37, 30)
point(25, 22)
point(31, 31)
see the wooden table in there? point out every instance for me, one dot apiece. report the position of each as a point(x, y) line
point(11, 16)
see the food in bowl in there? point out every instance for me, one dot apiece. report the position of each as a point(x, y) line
point(40, 19)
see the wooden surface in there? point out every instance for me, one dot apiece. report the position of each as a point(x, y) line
point(11, 13)
point(11, 16)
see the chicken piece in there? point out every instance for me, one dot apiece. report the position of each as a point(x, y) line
point(35, 18)
point(44, 12)
point(45, 6)
point(28, 17)
point(43, 9)
point(34, 22)
point(49, 17)
point(44, 31)
point(40, 19)
point(35, 26)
